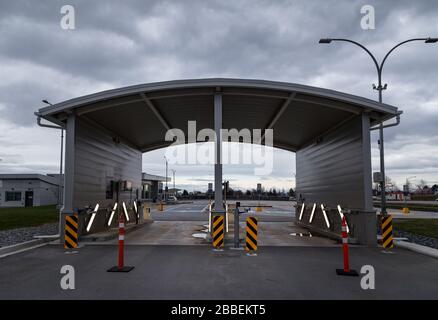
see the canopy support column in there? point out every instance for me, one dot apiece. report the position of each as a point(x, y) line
point(218, 152)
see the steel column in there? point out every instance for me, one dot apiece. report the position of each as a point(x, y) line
point(218, 153)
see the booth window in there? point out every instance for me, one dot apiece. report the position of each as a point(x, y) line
point(12, 196)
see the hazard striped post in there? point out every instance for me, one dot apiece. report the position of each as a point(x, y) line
point(218, 231)
point(251, 234)
point(387, 240)
point(71, 231)
point(346, 271)
point(121, 261)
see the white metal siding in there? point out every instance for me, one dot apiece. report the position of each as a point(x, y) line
point(332, 170)
point(98, 159)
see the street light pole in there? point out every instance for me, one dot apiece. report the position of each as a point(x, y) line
point(166, 188)
point(60, 198)
point(406, 192)
point(380, 88)
point(173, 172)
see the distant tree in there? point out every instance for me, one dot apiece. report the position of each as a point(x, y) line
point(185, 192)
point(421, 185)
point(247, 192)
point(291, 192)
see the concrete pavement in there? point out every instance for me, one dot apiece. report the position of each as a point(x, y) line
point(287, 267)
point(196, 272)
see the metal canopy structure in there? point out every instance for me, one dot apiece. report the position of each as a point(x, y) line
point(107, 132)
point(141, 114)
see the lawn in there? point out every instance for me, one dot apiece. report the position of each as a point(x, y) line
point(11, 218)
point(425, 227)
point(433, 207)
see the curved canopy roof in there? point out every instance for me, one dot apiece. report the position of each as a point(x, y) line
point(141, 114)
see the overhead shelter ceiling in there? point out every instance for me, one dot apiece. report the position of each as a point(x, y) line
point(141, 114)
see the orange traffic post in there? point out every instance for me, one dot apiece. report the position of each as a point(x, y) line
point(346, 271)
point(121, 261)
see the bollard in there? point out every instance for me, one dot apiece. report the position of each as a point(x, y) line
point(346, 271)
point(218, 232)
point(121, 261)
point(387, 240)
point(251, 235)
point(236, 226)
point(71, 231)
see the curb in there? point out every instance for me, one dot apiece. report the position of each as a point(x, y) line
point(23, 246)
point(431, 252)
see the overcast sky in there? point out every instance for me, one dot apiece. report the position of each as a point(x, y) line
point(120, 43)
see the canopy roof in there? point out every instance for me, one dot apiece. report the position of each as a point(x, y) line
point(141, 114)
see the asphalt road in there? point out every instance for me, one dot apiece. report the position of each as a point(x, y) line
point(303, 268)
point(281, 211)
point(197, 272)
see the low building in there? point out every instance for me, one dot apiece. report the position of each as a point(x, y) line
point(28, 190)
point(398, 195)
point(152, 186)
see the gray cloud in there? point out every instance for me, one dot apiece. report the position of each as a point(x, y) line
point(120, 43)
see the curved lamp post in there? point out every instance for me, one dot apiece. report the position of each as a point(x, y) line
point(380, 88)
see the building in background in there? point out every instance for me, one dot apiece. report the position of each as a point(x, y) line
point(152, 186)
point(28, 190)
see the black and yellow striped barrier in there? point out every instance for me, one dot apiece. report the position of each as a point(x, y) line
point(387, 232)
point(251, 234)
point(218, 231)
point(71, 232)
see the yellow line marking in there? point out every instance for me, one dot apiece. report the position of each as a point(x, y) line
point(72, 243)
point(385, 245)
point(218, 240)
point(251, 233)
point(216, 232)
point(218, 221)
point(249, 221)
point(73, 233)
point(385, 224)
point(70, 220)
point(387, 232)
point(251, 244)
point(386, 219)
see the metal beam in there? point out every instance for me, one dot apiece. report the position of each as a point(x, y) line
point(218, 154)
point(155, 111)
point(277, 116)
point(69, 178)
point(351, 109)
point(87, 109)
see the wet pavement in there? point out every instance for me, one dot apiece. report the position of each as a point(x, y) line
point(187, 224)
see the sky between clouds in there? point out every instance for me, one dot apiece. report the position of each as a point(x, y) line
point(120, 43)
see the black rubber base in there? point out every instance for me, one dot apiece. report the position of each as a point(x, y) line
point(351, 273)
point(124, 269)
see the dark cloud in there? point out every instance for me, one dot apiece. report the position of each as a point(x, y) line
point(118, 43)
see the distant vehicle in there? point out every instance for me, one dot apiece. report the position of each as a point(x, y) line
point(292, 199)
point(172, 199)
